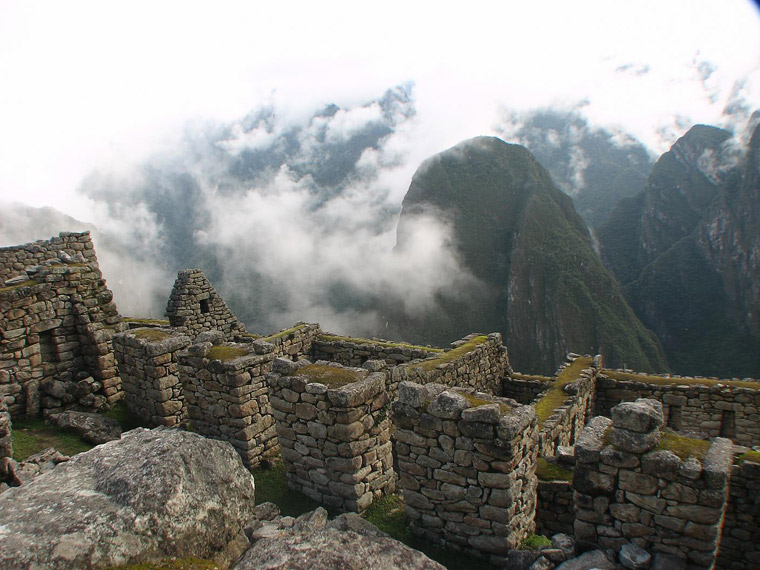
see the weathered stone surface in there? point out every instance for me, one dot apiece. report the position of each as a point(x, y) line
point(641, 416)
point(634, 557)
point(94, 428)
point(591, 440)
point(633, 441)
point(448, 405)
point(596, 559)
point(151, 495)
point(330, 548)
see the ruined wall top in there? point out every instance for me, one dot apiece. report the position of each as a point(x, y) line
point(14, 260)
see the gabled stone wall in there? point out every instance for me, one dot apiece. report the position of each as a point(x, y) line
point(334, 439)
point(467, 464)
point(194, 307)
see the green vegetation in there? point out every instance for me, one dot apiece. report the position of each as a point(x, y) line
point(534, 377)
point(453, 354)
point(334, 338)
point(284, 333)
point(127, 420)
point(330, 376)
point(664, 380)
point(548, 471)
point(155, 322)
point(250, 335)
point(223, 353)
point(535, 542)
point(27, 283)
point(554, 397)
point(272, 487)
point(753, 456)
point(151, 335)
point(31, 436)
point(684, 447)
point(476, 402)
point(389, 515)
point(172, 564)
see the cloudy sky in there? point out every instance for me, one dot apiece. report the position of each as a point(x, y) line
point(92, 83)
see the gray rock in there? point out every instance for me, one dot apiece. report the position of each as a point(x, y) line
point(565, 543)
point(634, 557)
point(662, 561)
point(266, 511)
point(448, 405)
point(634, 441)
point(596, 559)
point(641, 416)
point(94, 428)
point(355, 523)
point(542, 563)
point(151, 495)
point(330, 548)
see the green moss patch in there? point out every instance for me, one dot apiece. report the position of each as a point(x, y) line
point(476, 402)
point(284, 333)
point(384, 343)
point(27, 283)
point(548, 471)
point(554, 397)
point(31, 436)
point(663, 380)
point(272, 487)
point(535, 542)
point(533, 377)
point(152, 335)
point(153, 322)
point(330, 376)
point(389, 515)
point(221, 352)
point(753, 456)
point(453, 354)
point(684, 447)
point(172, 564)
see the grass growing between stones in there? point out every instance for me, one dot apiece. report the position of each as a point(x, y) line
point(152, 335)
point(27, 283)
point(453, 354)
point(224, 353)
point(753, 456)
point(476, 402)
point(32, 436)
point(518, 376)
point(535, 542)
point(272, 487)
point(127, 420)
point(554, 397)
point(384, 343)
point(172, 564)
point(283, 333)
point(548, 471)
point(684, 447)
point(153, 322)
point(665, 381)
point(330, 376)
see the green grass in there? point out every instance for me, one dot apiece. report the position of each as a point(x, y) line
point(31, 436)
point(684, 447)
point(384, 343)
point(284, 333)
point(476, 402)
point(535, 542)
point(151, 335)
point(547, 471)
point(555, 396)
point(156, 322)
point(518, 376)
point(172, 564)
point(389, 515)
point(330, 376)
point(27, 283)
point(121, 414)
point(663, 380)
point(753, 456)
point(453, 354)
point(272, 487)
point(224, 353)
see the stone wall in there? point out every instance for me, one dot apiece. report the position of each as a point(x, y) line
point(631, 487)
point(524, 389)
point(477, 361)
point(334, 432)
point(467, 465)
point(56, 328)
point(149, 368)
point(555, 509)
point(740, 544)
point(226, 394)
point(296, 342)
point(194, 307)
point(357, 351)
point(14, 260)
point(702, 407)
point(6, 440)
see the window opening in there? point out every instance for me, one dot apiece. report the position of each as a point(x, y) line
point(204, 306)
point(48, 347)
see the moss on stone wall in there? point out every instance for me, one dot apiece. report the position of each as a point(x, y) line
point(27, 283)
point(668, 381)
point(385, 343)
point(453, 354)
point(152, 335)
point(555, 396)
point(223, 353)
point(684, 447)
point(330, 376)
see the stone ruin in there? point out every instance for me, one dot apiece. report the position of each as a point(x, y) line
point(472, 441)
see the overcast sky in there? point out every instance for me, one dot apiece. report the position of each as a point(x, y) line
point(92, 83)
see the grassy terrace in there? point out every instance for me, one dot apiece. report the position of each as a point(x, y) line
point(147, 322)
point(453, 354)
point(684, 447)
point(476, 402)
point(555, 396)
point(385, 343)
point(223, 353)
point(533, 377)
point(547, 471)
point(753, 456)
point(330, 376)
point(666, 381)
point(152, 335)
point(284, 333)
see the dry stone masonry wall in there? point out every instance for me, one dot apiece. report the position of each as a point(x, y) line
point(14, 260)
point(740, 543)
point(702, 407)
point(194, 307)
point(555, 510)
point(356, 351)
point(334, 436)
point(149, 368)
point(467, 465)
point(227, 396)
point(296, 342)
point(632, 489)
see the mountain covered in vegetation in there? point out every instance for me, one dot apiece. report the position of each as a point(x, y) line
point(539, 280)
point(687, 250)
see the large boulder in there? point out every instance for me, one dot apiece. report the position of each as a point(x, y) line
point(95, 428)
point(151, 495)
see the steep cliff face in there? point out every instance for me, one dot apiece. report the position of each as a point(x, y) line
point(688, 251)
point(541, 283)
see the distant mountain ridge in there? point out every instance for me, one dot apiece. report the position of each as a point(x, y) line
point(542, 284)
